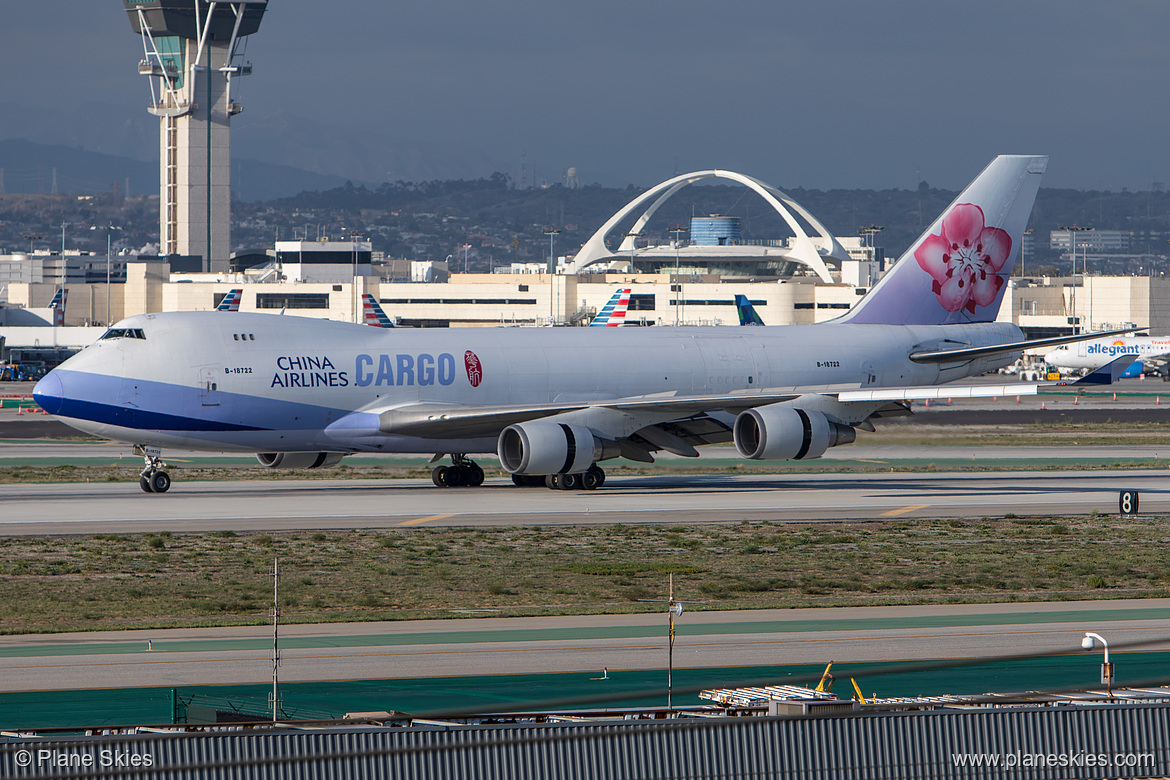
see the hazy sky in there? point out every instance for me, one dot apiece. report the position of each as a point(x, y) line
point(856, 93)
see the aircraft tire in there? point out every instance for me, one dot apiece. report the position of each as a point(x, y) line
point(160, 482)
point(439, 476)
point(591, 480)
point(553, 481)
point(599, 473)
point(455, 476)
point(144, 483)
point(474, 476)
point(569, 482)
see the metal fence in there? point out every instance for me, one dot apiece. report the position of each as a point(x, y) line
point(1068, 741)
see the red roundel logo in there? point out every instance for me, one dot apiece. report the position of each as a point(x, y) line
point(474, 368)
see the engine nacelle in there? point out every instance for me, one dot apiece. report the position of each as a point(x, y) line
point(785, 433)
point(543, 447)
point(298, 460)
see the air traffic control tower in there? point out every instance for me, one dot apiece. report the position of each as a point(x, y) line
point(193, 51)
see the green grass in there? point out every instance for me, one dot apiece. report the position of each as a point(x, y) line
point(112, 581)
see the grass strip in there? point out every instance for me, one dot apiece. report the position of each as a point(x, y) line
point(118, 581)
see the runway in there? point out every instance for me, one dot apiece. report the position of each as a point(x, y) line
point(513, 646)
point(709, 498)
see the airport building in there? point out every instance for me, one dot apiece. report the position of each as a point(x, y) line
point(810, 276)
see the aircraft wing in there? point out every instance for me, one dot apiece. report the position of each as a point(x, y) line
point(961, 354)
point(690, 415)
point(454, 421)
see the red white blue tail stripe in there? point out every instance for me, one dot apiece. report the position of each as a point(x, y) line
point(231, 301)
point(373, 312)
point(613, 314)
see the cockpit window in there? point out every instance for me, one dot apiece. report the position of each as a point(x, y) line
point(124, 333)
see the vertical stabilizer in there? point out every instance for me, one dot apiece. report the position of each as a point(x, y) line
point(231, 301)
point(958, 269)
point(373, 312)
point(613, 313)
point(747, 313)
point(58, 306)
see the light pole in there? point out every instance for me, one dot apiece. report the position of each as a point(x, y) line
point(634, 246)
point(673, 609)
point(108, 246)
point(1072, 239)
point(353, 238)
point(551, 232)
point(867, 232)
point(465, 248)
point(1090, 642)
point(677, 230)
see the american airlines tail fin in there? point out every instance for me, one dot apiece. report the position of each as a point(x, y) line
point(58, 306)
point(613, 313)
point(957, 270)
point(373, 312)
point(231, 301)
point(747, 312)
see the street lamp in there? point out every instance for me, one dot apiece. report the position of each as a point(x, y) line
point(677, 230)
point(108, 229)
point(867, 232)
point(633, 237)
point(551, 232)
point(465, 248)
point(1089, 643)
point(673, 609)
point(1072, 239)
point(353, 239)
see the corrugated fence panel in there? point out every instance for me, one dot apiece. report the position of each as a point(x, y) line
point(850, 747)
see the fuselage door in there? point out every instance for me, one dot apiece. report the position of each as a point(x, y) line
point(209, 387)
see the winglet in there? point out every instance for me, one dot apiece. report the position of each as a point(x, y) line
point(1108, 373)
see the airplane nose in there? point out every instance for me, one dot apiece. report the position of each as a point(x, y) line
point(49, 394)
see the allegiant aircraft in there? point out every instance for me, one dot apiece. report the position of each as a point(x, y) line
point(1149, 353)
point(552, 403)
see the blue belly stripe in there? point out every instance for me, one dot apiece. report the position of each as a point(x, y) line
point(134, 418)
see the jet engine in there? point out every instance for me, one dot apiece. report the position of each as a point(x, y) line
point(544, 447)
point(298, 460)
point(785, 433)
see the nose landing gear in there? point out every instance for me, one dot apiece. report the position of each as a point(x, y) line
point(154, 478)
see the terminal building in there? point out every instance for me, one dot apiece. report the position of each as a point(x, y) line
point(810, 276)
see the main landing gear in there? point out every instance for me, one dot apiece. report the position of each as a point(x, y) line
point(462, 472)
point(154, 478)
point(588, 480)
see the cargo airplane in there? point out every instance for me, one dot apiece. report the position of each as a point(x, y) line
point(553, 403)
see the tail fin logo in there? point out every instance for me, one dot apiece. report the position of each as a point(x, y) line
point(964, 259)
point(474, 368)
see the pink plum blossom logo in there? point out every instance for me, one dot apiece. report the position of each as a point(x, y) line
point(965, 259)
point(474, 368)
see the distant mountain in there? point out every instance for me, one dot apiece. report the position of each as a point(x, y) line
point(296, 147)
point(354, 151)
point(28, 168)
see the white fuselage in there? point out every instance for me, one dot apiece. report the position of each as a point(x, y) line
point(1092, 355)
point(268, 383)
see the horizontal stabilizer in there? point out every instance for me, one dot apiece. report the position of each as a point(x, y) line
point(971, 353)
point(1108, 373)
